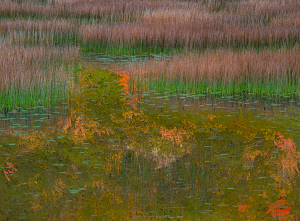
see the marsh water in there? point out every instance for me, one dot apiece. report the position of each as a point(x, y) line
point(110, 153)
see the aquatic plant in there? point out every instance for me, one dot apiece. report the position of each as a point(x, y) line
point(265, 72)
point(33, 76)
point(107, 157)
point(117, 151)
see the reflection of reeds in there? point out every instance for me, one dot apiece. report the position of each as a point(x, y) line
point(30, 74)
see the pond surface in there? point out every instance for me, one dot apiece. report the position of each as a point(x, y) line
point(113, 154)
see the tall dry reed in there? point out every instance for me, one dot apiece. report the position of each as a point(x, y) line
point(25, 68)
point(190, 35)
point(20, 32)
point(115, 10)
point(158, 29)
point(257, 23)
point(160, 23)
point(227, 66)
point(53, 26)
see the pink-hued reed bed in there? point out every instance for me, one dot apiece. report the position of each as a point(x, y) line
point(32, 76)
point(265, 72)
point(209, 41)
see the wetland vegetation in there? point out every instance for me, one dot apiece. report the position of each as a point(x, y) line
point(149, 109)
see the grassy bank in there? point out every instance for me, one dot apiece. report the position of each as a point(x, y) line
point(258, 39)
point(31, 76)
point(246, 89)
point(267, 72)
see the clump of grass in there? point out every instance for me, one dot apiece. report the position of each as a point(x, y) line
point(101, 10)
point(33, 76)
point(265, 72)
point(31, 32)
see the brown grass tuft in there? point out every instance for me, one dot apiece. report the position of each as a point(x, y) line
point(227, 66)
point(32, 32)
point(26, 68)
point(115, 10)
point(190, 34)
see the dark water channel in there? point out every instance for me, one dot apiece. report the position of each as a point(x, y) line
point(112, 154)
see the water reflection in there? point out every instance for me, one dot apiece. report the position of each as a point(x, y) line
point(117, 155)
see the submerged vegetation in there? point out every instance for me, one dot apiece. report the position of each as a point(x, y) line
point(33, 76)
point(151, 156)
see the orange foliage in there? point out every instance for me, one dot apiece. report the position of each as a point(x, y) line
point(124, 82)
point(211, 117)
point(285, 144)
point(133, 101)
point(10, 170)
point(290, 162)
point(79, 126)
point(172, 135)
point(243, 207)
point(67, 124)
point(279, 209)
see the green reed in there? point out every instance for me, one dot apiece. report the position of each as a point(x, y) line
point(253, 87)
point(36, 96)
